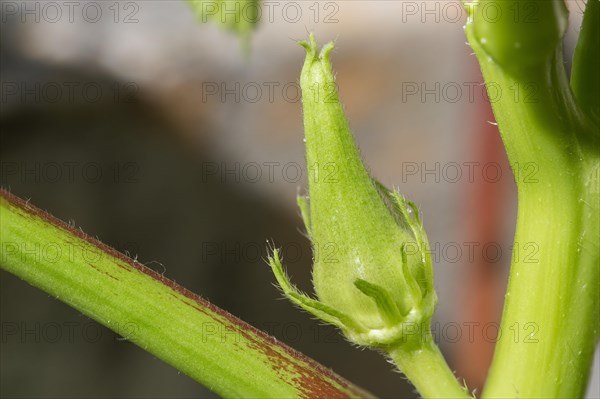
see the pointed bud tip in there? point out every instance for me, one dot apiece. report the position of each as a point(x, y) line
point(312, 48)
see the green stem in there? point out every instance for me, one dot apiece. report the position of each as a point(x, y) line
point(428, 371)
point(549, 325)
point(208, 344)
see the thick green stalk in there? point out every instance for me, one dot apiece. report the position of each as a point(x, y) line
point(549, 325)
point(211, 346)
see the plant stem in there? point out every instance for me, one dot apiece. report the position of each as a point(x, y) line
point(208, 344)
point(428, 371)
point(549, 324)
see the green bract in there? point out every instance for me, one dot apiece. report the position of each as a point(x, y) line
point(372, 270)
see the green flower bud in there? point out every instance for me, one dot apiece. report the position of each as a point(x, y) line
point(518, 33)
point(372, 270)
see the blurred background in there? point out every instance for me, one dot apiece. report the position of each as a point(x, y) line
point(158, 135)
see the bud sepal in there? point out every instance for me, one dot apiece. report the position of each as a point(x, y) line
point(399, 322)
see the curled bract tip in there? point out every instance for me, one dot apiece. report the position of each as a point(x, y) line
point(312, 48)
